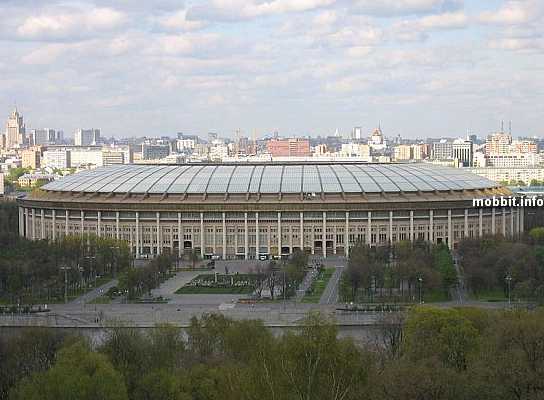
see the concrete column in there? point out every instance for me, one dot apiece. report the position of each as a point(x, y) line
point(503, 221)
point(493, 221)
point(33, 224)
point(202, 235)
point(180, 236)
point(67, 217)
point(82, 225)
point(390, 235)
point(301, 231)
point(42, 224)
point(224, 237)
point(54, 216)
point(346, 233)
point(431, 226)
point(27, 223)
point(511, 222)
point(214, 244)
point(257, 235)
point(279, 234)
point(369, 229)
point(324, 237)
point(137, 234)
point(21, 222)
point(159, 244)
point(481, 223)
point(334, 240)
point(521, 219)
point(466, 223)
point(450, 231)
point(246, 238)
point(117, 233)
point(411, 225)
point(98, 224)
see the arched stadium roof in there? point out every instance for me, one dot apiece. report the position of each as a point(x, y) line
point(270, 179)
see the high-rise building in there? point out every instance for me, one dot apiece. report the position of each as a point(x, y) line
point(357, 133)
point(293, 147)
point(498, 143)
point(463, 151)
point(42, 137)
point(15, 130)
point(87, 137)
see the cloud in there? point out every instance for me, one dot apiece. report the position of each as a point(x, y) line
point(392, 8)
point(418, 29)
point(178, 22)
point(69, 24)
point(515, 12)
point(235, 10)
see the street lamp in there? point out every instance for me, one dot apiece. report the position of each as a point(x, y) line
point(508, 280)
point(420, 280)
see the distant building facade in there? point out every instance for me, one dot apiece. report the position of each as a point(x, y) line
point(87, 137)
point(293, 147)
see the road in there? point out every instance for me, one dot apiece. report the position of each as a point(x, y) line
point(95, 293)
point(330, 294)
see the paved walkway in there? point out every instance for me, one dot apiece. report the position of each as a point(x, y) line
point(95, 293)
point(169, 287)
point(305, 284)
point(330, 294)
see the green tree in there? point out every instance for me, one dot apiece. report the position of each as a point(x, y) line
point(78, 374)
point(442, 333)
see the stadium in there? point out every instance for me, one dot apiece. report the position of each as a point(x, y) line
point(260, 211)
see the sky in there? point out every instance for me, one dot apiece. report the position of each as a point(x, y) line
point(419, 68)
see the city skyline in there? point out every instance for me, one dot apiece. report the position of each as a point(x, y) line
point(425, 68)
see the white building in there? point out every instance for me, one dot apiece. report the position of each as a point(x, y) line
point(463, 151)
point(355, 150)
point(513, 160)
point(85, 157)
point(87, 137)
point(525, 175)
point(56, 158)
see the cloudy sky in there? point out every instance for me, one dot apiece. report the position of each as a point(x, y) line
point(419, 67)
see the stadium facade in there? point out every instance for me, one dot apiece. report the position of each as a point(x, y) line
point(249, 211)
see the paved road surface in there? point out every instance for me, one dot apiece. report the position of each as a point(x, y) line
point(330, 294)
point(95, 293)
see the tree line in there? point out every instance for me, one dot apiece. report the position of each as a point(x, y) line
point(40, 271)
point(429, 353)
point(515, 268)
point(398, 272)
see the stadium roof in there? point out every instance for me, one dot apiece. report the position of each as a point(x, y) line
point(270, 179)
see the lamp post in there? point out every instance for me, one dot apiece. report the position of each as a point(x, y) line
point(420, 281)
point(508, 280)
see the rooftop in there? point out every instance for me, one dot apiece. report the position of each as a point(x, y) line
point(270, 178)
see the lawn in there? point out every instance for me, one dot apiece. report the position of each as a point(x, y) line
point(489, 295)
point(318, 286)
point(226, 284)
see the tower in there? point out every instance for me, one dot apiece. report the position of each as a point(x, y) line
point(15, 130)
